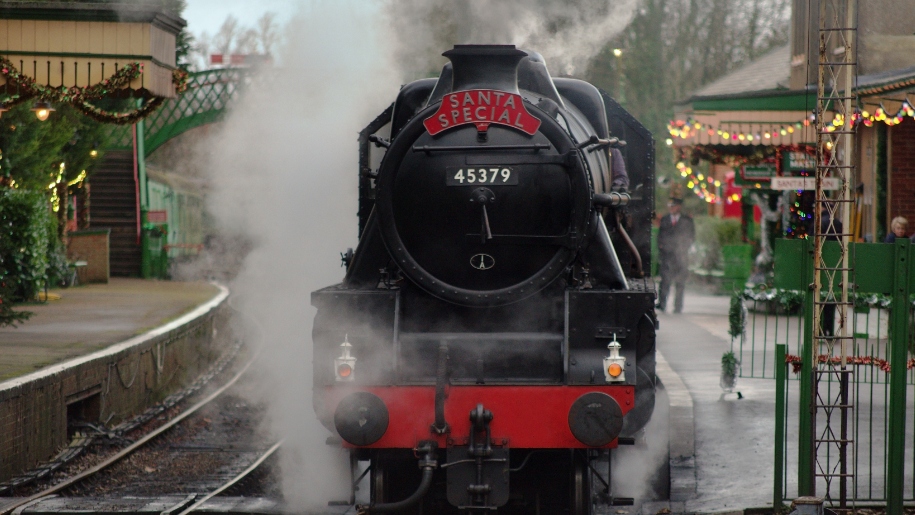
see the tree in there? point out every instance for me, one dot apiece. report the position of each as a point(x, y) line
point(671, 48)
point(234, 38)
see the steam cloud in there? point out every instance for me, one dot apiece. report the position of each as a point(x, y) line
point(283, 172)
point(568, 33)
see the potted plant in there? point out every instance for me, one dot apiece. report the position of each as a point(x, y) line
point(730, 369)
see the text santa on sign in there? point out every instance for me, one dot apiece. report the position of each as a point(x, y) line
point(804, 183)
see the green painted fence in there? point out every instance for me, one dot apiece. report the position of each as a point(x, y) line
point(882, 387)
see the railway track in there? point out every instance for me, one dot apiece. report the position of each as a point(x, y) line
point(60, 497)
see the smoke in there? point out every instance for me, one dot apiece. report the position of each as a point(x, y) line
point(568, 33)
point(283, 174)
point(641, 471)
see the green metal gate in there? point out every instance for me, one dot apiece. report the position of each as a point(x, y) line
point(881, 458)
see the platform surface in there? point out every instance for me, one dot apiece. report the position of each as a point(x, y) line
point(732, 468)
point(92, 317)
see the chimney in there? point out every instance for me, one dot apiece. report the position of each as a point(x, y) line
point(485, 67)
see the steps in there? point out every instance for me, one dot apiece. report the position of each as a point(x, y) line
point(113, 205)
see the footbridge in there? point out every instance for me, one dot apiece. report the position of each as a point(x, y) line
point(155, 217)
point(208, 96)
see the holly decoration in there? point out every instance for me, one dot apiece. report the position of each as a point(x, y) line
point(81, 98)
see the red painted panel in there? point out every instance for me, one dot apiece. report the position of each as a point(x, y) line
point(533, 417)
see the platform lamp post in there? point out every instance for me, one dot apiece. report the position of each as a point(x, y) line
point(620, 82)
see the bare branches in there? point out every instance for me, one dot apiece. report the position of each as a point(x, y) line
point(234, 38)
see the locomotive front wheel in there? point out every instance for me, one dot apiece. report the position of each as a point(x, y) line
point(580, 495)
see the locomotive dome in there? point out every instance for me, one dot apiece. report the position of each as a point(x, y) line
point(484, 196)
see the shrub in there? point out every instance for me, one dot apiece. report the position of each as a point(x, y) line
point(711, 234)
point(28, 237)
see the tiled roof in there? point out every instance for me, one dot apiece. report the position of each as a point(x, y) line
point(769, 72)
point(885, 81)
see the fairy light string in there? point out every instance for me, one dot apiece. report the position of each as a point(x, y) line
point(692, 128)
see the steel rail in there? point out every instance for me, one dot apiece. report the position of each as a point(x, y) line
point(241, 475)
point(123, 453)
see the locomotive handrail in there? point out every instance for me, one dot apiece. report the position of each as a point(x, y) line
point(612, 199)
point(594, 143)
point(536, 147)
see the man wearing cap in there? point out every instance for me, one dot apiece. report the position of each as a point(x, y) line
point(675, 236)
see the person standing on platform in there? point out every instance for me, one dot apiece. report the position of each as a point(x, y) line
point(899, 228)
point(675, 237)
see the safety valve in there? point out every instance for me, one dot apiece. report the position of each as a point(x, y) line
point(614, 364)
point(346, 363)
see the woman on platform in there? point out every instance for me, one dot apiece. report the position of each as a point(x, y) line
point(899, 228)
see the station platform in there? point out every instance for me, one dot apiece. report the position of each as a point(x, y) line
point(722, 457)
point(92, 317)
point(101, 354)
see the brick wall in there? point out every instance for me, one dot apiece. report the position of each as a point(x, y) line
point(92, 247)
point(902, 171)
point(33, 413)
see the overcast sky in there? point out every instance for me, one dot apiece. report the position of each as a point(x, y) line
point(208, 15)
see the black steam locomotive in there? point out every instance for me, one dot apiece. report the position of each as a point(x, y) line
point(494, 336)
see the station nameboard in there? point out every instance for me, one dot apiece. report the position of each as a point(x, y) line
point(752, 174)
point(804, 183)
point(157, 217)
point(798, 162)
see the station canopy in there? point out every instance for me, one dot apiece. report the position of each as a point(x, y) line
point(80, 52)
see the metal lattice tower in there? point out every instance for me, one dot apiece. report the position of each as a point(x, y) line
point(832, 377)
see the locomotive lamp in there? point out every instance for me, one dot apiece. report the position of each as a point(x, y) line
point(346, 363)
point(614, 364)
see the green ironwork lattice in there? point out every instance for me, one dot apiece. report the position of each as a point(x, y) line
point(206, 99)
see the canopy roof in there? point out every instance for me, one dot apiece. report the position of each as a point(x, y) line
point(59, 44)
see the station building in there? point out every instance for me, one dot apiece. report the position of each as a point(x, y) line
point(745, 142)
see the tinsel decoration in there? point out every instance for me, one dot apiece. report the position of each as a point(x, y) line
point(882, 364)
point(81, 98)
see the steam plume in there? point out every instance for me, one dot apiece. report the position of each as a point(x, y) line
point(283, 169)
point(567, 33)
point(284, 175)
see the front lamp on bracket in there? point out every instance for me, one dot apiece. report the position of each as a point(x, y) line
point(614, 364)
point(345, 365)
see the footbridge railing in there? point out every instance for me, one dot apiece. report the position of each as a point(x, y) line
point(206, 99)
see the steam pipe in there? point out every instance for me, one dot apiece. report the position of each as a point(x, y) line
point(441, 377)
point(605, 265)
point(635, 252)
point(428, 464)
point(424, 485)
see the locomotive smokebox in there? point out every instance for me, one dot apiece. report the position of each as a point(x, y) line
point(485, 67)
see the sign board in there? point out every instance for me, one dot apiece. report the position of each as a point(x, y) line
point(157, 217)
point(798, 162)
point(482, 107)
point(752, 174)
point(804, 183)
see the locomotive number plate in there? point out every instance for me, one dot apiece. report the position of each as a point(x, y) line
point(492, 175)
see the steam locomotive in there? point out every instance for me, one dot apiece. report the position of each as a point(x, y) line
point(494, 336)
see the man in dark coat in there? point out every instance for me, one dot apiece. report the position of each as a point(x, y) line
point(675, 236)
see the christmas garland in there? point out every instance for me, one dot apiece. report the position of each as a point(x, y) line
point(737, 317)
point(882, 364)
point(81, 98)
point(715, 155)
